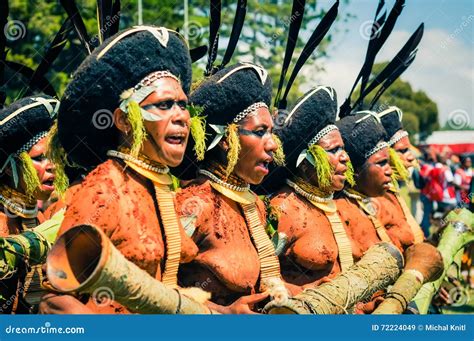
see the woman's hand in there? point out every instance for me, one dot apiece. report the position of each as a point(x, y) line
point(53, 303)
point(243, 305)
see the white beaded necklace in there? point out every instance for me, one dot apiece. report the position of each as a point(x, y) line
point(309, 196)
point(17, 209)
point(222, 182)
point(143, 164)
point(352, 196)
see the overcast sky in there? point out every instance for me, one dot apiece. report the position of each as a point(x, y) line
point(444, 64)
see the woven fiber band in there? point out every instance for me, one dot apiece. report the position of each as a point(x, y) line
point(148, 80)
point(342, 240)
point(269, 263)
point(168, 216)
point(167, 210)
point(418, 234)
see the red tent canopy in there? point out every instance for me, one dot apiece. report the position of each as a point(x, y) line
point(456, 141)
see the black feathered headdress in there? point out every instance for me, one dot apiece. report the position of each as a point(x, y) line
point(391, 119)
point(382, 26)
point(225, 99)
point(23, 124)
point(115, 75)
point(363, 136)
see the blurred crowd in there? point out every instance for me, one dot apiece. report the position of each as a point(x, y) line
point(441, 182)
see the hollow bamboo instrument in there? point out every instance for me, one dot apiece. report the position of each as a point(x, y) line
point(423, 263)
point(84, 260)
point(379, 267)
point(458, 233)
point(29, 247)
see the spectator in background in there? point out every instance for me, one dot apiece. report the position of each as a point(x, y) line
point(426, 166)
point(462, 181)
point(413, 185)
point(454, 163)
point(442, 185)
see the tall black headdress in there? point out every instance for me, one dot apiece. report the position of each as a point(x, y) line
point(391, 119)
point(314, 114)
point(215, 102)
point(225, 99)
point(23, 124)
point(363, 136)
point(381, 29)
point(119, 73)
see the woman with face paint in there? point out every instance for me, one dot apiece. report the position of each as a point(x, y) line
point(368, 220)
point(303, 210)
point(26, 176)
point(367, 217)
point(401, 160)
point(124, 117)
point(224, 217)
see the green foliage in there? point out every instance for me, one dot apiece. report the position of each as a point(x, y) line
point(263, 39)
point(39, 21)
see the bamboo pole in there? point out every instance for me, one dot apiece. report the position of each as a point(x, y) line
point(379, 267)
point(29, 247)
point(84, 260)
point(458, 233)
